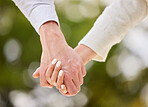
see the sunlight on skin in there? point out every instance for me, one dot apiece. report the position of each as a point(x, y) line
point(87, 54)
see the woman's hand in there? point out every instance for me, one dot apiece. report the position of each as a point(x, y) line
point(85, 53)
point(54, 75)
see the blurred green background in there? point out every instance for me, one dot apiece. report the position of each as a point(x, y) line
point(119, 82)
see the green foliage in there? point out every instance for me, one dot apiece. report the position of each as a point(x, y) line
point(103, 90)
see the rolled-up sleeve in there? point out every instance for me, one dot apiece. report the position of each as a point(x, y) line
point(111, 27)
point(38, 11)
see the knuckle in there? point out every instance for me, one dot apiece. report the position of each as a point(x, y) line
point(78, 65)
point(67, 77)
point(74, 71)
point(56, 70)
point(47, 77)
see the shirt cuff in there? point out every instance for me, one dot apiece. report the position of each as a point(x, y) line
point(101, 49)
point(111, 27)
point(100, 41)
point(42, 14)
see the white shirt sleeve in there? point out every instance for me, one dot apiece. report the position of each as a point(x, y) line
point(38, 11)
point(111, 27)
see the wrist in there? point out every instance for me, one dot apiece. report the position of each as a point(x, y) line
point(85, 53)
point(50, 30)
point(50, 25)
point(51, 34)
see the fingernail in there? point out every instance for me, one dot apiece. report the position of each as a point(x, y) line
point(64, 91)
point(34, 73)
point(58, 64)
point(54, 61)
point(62, 87)
point(60, 73)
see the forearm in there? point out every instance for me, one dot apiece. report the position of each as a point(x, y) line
point(51, 34)
point(111, 27)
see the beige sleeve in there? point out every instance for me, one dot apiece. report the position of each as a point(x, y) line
point(111, 27)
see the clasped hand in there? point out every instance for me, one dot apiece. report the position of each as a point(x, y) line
point(60, 65)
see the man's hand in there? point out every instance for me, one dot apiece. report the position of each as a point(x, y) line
point(55, 46)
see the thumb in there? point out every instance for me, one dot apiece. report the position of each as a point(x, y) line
point(36, 74)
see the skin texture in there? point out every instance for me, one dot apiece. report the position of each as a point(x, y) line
point(55, 46)
point(84, 52)
point(49, 73)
